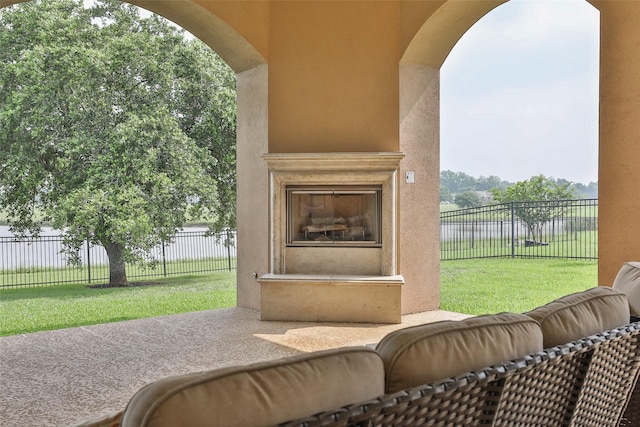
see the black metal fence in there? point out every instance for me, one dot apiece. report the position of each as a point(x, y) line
point(550, 229)
point(40, 262)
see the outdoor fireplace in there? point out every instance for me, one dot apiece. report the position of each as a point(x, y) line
point(333, 238)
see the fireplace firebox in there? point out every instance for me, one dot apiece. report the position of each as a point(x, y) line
point(327, 215)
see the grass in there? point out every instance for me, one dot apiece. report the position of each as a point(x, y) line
point(448, 207)
point(581, 244)
point(486, 286)
point(100, 272)
point(34, 309)
point(476, 286)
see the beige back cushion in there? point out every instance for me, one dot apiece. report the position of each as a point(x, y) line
point(261, 394)
point(628, 282)
point(426, 353)
point(581, 314)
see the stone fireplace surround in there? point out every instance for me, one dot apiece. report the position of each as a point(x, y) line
point(329, 283)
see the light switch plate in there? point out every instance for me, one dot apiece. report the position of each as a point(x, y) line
point(409, 177)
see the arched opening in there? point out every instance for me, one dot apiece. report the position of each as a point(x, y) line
point(205, 25)
point(519, 99)
point(420, 138)
point(519, 94)
point(251, 88)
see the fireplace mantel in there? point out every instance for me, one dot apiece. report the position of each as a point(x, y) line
point(295, 269)
point(376, 161)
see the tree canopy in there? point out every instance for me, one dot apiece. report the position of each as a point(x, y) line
point(458, 182)
point(536, 200)
point(115, 127)
point(537, 188)
point(452, 183)
point(468, 199)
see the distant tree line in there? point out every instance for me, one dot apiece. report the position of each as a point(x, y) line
point(468, 191)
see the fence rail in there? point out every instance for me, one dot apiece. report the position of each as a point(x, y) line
point(502, 230)
point(40, 262)
point(550, 229)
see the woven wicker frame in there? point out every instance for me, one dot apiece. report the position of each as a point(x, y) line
point(632, 414)
point(587, 382)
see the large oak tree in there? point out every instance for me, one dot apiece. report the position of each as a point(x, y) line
point(115, 127)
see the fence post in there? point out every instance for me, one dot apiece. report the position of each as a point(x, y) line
point(473, 235)
point(513, 230)
point(164, 260)
point(228, 243)
point(88, 261)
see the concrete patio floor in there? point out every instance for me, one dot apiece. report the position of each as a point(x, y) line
point(64, 377)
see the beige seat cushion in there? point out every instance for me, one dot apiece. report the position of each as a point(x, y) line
point(260, 394)
point(426, 353)
point(581, 314)
point(628, 281)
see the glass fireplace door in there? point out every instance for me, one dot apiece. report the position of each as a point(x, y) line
point(323, 215)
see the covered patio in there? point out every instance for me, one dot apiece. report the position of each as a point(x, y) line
point(330, 78)
point(68, 376)
point(335, 85)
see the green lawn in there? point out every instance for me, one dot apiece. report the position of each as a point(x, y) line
point(483, 286)
point(477, 286)
point(33, 276)
point(448, 207)
point(62, 306)
point(579, 244)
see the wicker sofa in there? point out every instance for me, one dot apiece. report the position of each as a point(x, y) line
point(574, 361)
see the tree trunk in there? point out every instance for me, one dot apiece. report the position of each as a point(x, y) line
point(117, 271)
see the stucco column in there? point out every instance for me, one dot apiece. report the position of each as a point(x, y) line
point(253, 184)
point(619, 158)
point(419, 207)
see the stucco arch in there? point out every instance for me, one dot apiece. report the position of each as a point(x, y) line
point(419, 78)
point(442, 30)
point(234, 49)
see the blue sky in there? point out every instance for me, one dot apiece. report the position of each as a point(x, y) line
point(519, 93)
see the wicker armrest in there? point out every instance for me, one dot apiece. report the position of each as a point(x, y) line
point(632, 413)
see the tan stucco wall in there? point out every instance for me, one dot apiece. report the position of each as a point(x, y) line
point(619, 158)
point(333, 76)
point(419, 217)
point(253, 184)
